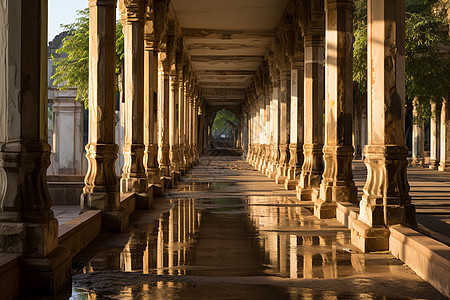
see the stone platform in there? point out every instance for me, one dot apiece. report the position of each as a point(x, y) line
point(228, 232)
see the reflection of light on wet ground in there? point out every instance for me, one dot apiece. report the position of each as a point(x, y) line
point(234, 237)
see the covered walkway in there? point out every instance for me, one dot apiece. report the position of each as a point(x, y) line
point(308, 222)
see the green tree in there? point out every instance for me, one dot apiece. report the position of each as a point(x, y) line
point(72, 63)
point(223, 123)
point(427, 57)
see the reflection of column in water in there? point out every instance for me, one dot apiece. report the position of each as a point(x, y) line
point(307, 257)
point(329, 264)
point(145, 258)
point(125, 258)
point(170, 242)
point(179, 230)
point(293, 256)
point(160, 249)
point(185, 233)
point(283, 255)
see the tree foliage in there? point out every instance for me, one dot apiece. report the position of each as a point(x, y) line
point(72, 63)
point(427, 52)
point(223, 123)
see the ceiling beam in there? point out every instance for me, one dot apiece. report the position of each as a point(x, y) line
point(226, 34)
point(226, 72)
point(227, 58)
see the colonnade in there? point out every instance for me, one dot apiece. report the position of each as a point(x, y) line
point(311, 121)
point(161, 108)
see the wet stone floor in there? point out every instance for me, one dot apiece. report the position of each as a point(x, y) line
point(215, 237)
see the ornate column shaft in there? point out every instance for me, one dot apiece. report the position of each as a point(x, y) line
point(173, 123)
point(386, 199)
point(275, 109)
point(150, 103)
point(312, 168)
point(182, 122)
point(134, 177)
point(163, 116)
point(296, 123)
point(444, 164)
point(417, 137)
point(337, 180)
point(102, 190)
point(27, 224)
point(285, 95)
point(434, 137)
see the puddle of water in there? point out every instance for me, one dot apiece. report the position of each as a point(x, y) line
point(199, 186)
point(232, 237)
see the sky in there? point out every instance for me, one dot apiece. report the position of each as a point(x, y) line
point(62, 12)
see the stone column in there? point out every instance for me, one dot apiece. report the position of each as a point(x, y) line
point(163, 118)
point(268, 129)
point(189, 145)
point(312, 168)
point(102, 186)
point(67, 135)
point(434, 137)
point(296, 123)
point(275, 129)
point(386, 199)
point(195, 129)
point(133, 176)
point(182, 121)
point(27, 224)
point(337, 180)
point(417, 137)
point(262, 130)
point(173, 126)
point(150, 104)
point(444, 164)
point(285, 99)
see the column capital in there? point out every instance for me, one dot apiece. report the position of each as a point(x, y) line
point(132, 10)
point(111, 3)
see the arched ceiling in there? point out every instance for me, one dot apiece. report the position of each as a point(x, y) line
point(227, 41)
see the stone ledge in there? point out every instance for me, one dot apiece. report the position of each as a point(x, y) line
point(9, 276)
point(76, 234)
point(427, 257)
point(347, 213)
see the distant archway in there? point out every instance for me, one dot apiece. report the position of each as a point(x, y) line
point(224, 130)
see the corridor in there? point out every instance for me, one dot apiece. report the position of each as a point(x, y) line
point(228, 232)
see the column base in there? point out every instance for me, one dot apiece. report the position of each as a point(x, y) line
point(158, 190)
point(145, 200)
point(369, 239)
point(304, 194)
point(434, 165)
point(444, 167)
point(166, 182)
point(133, 184)
point(290, 184)
point(417, 162)
point(324, 210)
point(46, 275)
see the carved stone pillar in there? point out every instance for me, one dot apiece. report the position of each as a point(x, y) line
point(434, 137)
point(268, 133)
point(312, 168)
point(275, 110)
point(163, 118)
point(386, 199)
point(337, 180)
point(67, 147)
point(444, 164)
point(417, 137)
point(173, 126)
point(285, 95)
point(195, 129)
point(134, 178)
point(189, 126)
point(102, 187)
point(150, 103)
point(182, 123)
point(27, 224)
point(296, 123)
